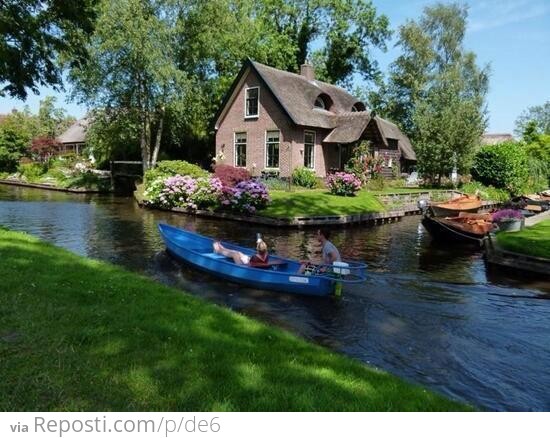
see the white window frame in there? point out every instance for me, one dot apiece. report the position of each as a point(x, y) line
point(235, 147)
point(265, 149)
point(306, 132)
point(255, 116)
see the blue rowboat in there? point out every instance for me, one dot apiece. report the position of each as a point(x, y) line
point(281, 274)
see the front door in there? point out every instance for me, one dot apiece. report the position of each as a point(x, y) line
point(345, 154)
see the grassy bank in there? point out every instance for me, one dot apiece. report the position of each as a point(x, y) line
point(78, 334)
point(319, 203)
point(534, 241)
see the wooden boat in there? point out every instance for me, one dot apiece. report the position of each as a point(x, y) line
point(467, 227)
point(464, 203)
point(280, 274)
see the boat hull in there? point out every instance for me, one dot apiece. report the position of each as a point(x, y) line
point(196, 250)
point(442, 230)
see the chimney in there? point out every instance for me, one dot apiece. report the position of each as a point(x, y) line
point(306, 70)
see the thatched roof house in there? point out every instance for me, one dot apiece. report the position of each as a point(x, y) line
point(487, 139)
point(74, 138)
point(273, 120)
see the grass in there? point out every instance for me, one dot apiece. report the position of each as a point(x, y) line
point(319, 203)
point(78, 334)
point(534, 241)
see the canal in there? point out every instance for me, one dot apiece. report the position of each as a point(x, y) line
point(434, 315)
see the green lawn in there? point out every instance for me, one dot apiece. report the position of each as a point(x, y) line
point(78, 334)
point(319, 203)
point(533, 240)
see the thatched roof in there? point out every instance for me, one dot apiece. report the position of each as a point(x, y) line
point(496, 138)
point(390, 130)
point(348, 127)
point(297, 95)
point(76, 133)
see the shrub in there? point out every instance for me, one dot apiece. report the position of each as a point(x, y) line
point(246, 197)
point(343, 184)
point(502, 165)
point(32, 172)
point(184, 192)
point(362, 164)
point(486, 193)
point(376, 183)
point(165, 169)
point(230, 176)
point(304, 177)
point(274, 183)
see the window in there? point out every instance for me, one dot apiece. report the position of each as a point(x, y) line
point(240, 149)
point(251, 105)
point(309, 149)
point(323, 101)
point(272, 149)
point(392, 143)
point(359, 106)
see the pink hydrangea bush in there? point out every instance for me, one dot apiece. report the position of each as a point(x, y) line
point(185, 192)
point(343, 183)
point(246, 197)
point(207, 193)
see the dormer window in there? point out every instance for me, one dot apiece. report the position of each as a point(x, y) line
point(252, 99)
point(323, 101)
point(359, 106)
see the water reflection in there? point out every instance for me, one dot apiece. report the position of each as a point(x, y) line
point(429, 313)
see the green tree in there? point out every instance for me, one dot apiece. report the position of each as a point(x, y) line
point(504, 165)
point(435, 91)
point(34, 34)
point(539, 114)
point(52, 121)
point(279, 33)
point(15, 139)
point(131, 69)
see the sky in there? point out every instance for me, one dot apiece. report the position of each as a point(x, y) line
point(513, 36)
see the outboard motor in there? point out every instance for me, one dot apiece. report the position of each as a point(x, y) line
point(423, 205)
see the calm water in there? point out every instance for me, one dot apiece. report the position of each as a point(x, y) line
point(434, 315)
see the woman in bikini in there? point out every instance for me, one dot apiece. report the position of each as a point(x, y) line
point(260, 258)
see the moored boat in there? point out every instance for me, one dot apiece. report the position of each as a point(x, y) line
point(279, 275)
point(462, 204)
point(467, 227)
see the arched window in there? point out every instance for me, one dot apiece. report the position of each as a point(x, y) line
point(358, 106)
point(323, 101)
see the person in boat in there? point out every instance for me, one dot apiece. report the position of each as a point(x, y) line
point(259, 259)
point(329, 253)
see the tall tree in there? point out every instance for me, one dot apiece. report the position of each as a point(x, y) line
point(336, 35)
point(34, 34)
point(539, 114)
point(436, 91)
point(52, 121)
point(131, 68)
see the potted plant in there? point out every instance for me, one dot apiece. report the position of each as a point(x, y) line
point(508, 219)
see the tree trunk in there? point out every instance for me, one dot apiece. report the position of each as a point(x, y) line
point(144, 143)
point(158, 138)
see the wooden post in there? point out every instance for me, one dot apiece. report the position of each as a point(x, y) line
point(112, 176)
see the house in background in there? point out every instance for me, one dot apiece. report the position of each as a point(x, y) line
point(74, 138)
point(489, 139)
point(273, 120)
